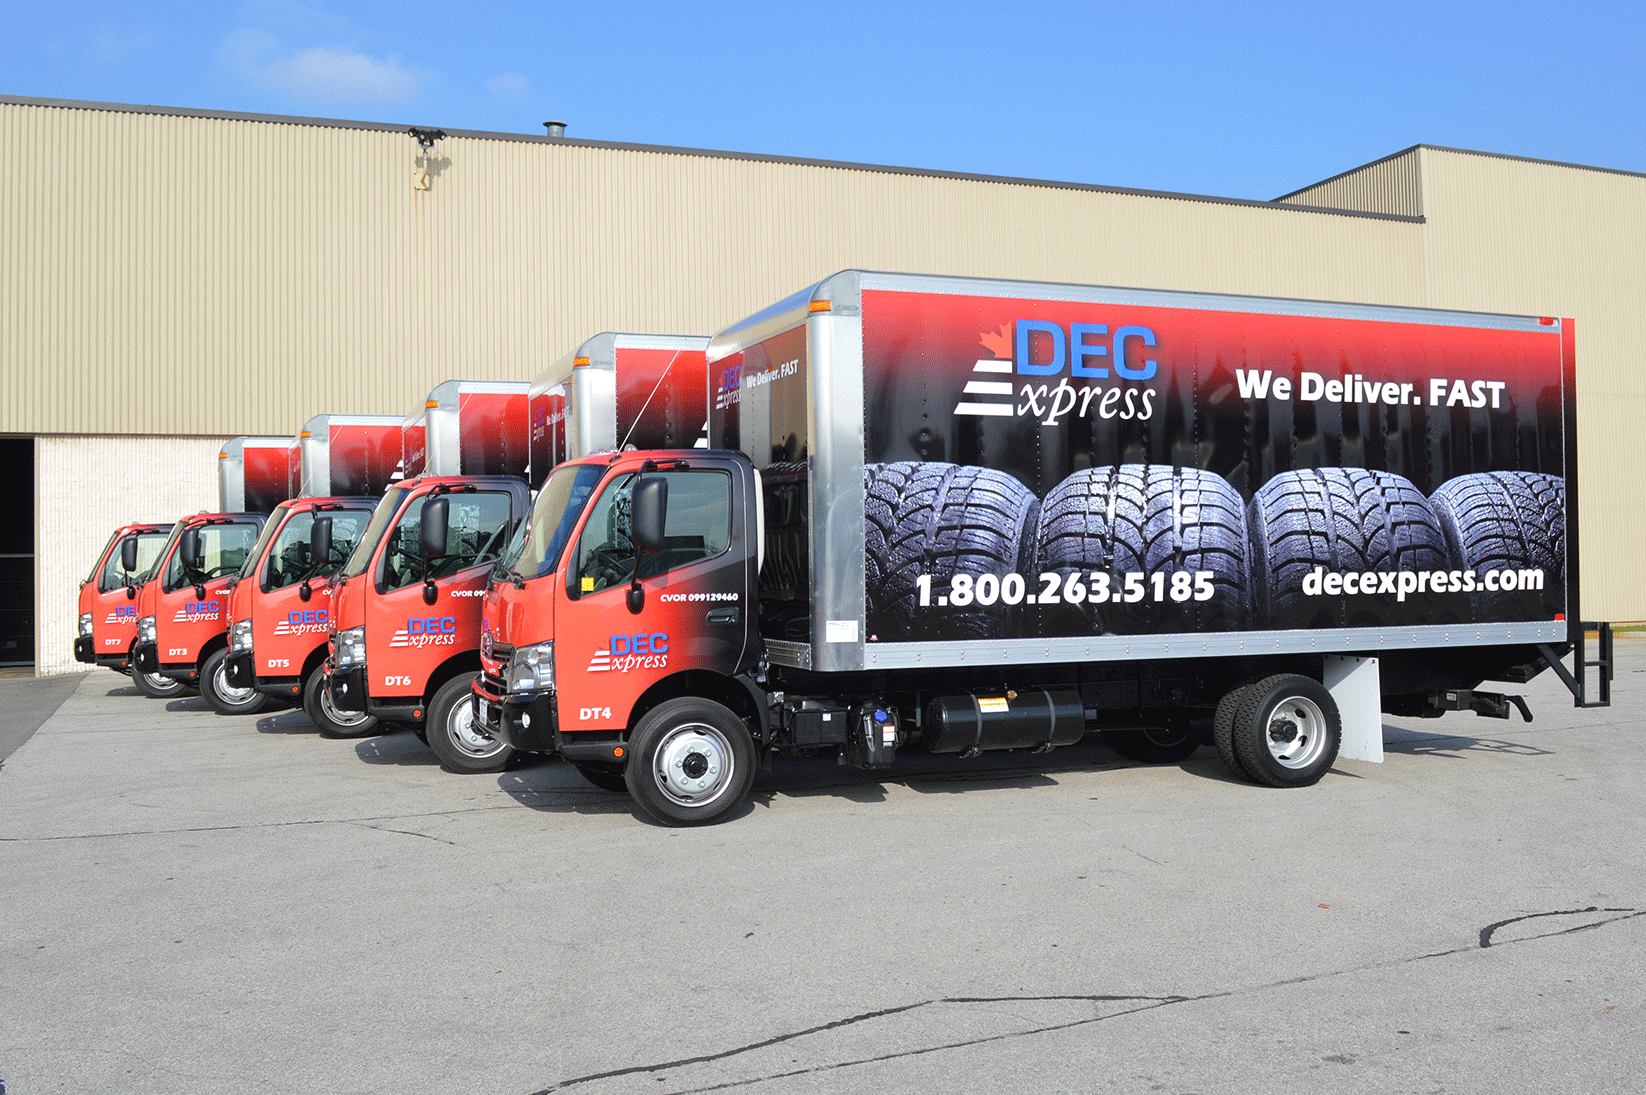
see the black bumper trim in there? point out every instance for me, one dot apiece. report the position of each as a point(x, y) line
point(85, 650)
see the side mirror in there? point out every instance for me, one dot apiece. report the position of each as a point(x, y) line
point(320, 541)
point(128, 554)
point(436, 512)
point(189, 548)
point(649, 514)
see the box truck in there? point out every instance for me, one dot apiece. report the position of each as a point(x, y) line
point(180, 609)
point(999, 515)
point(348, 454)
point(108, 597)
point(620, 391)
point(255, 474)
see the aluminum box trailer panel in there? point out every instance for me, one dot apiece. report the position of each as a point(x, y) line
point(964, 472)
point(255, 474)
point(476, 427)
point(620, 391)
point(346, 455)
point(414, 443)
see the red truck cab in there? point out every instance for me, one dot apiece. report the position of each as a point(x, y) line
point(181, 623)
point(279, 609)
point(405, 625)
point(641, 670)
point(108, 596)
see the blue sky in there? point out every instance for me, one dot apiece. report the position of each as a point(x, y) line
point(1236, 100)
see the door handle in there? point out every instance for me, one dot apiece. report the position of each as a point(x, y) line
point(724, 615)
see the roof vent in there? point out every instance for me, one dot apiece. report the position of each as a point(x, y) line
point(556, 129)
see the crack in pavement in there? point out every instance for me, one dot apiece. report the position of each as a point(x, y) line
point(1145, 1003)
point(406, 832)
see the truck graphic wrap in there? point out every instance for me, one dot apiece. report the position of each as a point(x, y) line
point(1042, 467)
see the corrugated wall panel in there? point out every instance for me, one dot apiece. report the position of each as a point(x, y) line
point(1392, 185)
point(1541, 239)
point(78, 502)
point(217, 276)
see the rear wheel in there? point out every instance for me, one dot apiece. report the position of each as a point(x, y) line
point(1287, 731)
point(1223, 723)
point(224, 697)
point(155, 686)
point(458, 738)
point(691, 762)
point(333, 723)
point(1153, 744)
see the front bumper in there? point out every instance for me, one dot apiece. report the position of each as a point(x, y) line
point(239, 671)
point(146, 657)
point(348, 688)
point(85, 650)
point(529, 722)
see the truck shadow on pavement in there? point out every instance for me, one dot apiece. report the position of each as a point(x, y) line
point(398, 747)
point(551, 786)
point(286, 720)
point(1397, 739)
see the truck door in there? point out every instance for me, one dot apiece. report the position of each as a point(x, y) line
point(114, 614)
point(186, 621)
point(285, 627)
point(406, 637)
point(694, 609)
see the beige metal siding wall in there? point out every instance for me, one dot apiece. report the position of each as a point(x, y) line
point(180, 275)
point(1393, 185)
point(84, 489)
point(1540, 239)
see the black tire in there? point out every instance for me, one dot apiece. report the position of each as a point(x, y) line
point(1508, 521)
point(332, 723)
point(607, 777)
point(461, 743)
point(222, 696)
point(1343, 521)
point(156, 687)
point(1149, 519)
point(1153, 744)
point(1223, 729)
point(691, 762)
point(940, 519)
point(1287, 731)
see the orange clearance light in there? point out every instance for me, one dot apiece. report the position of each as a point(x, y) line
point(305, 433)
point(579, 361)
point(617, 751)
point(222, 456)
point(820, 306)
point(416, 714)
point(427, 403)
point(1547, 321)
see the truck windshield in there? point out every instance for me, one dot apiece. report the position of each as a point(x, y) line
point(559, 505)
point(223, 550)
point(380, 521)
point(270, 527)
point(290, 560)
point(115, 576)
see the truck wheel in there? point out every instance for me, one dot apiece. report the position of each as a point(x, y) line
point(155, 686)
point(1314, 522)
point(1223, 724)
point(1101, 524)
point(1287, 731)
point(460, 741)
point(318, 706)
point(1152, 744)
point(223, 697)
point(1508, 521)
point(940, 520)
point(691, 762)
point(607, 777)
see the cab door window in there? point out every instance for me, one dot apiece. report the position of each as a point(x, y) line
point(699, 527)
point(223, 551)
point(290, 560)
point(115, 576)
point(478, 526)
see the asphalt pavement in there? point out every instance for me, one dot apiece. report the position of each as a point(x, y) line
point(198, 903)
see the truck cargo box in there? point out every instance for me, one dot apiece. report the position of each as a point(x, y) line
point(620, 391)
point(475, 427)
point(349, 454)
point(963, 472)
point(254, 474)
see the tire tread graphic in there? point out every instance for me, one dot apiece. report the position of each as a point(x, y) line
point(1507, 520)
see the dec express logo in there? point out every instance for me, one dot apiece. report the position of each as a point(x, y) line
point(194, 612)
point(312, 621)
point(1081, 353)
point(122, 614)
point(626, 652)
point(424, 631)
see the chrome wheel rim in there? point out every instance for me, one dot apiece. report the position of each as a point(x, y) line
point(1295, 732)
point(234, 697)
point(345, 719)
point(467, 735)
point(694, 765)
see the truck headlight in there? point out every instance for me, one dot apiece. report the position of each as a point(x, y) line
point(85, 625)
point(351, 647)
point(240, 637)
point(145, 629)
point(532, 668)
